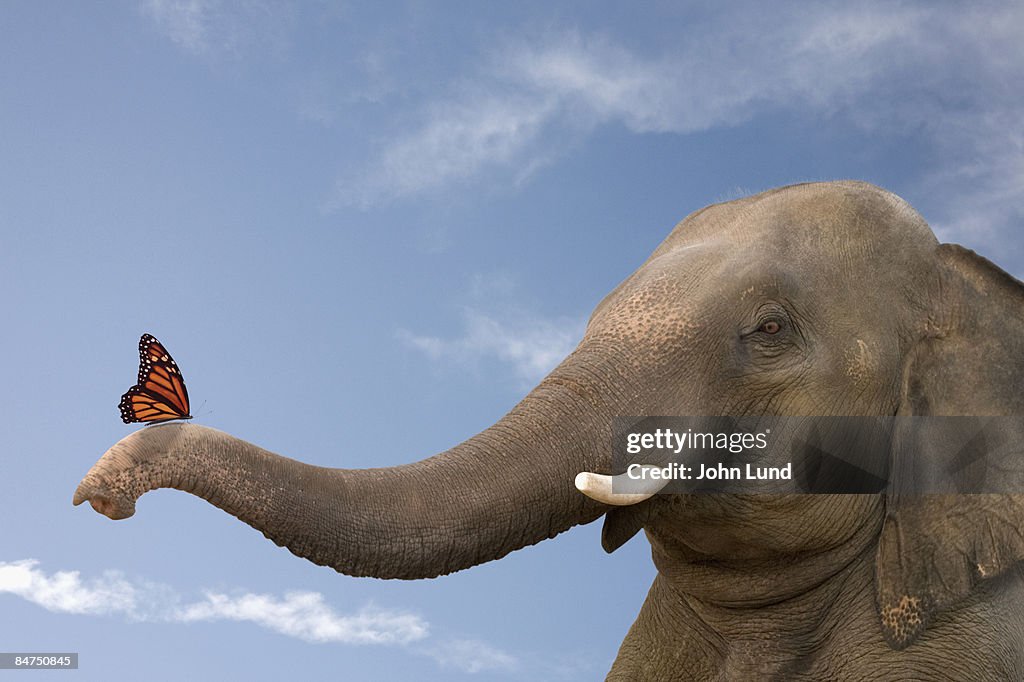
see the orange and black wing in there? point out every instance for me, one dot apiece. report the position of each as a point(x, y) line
point(160, 395)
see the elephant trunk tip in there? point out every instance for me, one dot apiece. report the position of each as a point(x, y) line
point(103, 500)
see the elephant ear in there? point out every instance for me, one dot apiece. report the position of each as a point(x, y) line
point(935, 548)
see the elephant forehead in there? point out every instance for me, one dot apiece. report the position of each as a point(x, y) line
point(659, 308)
point(839, 220)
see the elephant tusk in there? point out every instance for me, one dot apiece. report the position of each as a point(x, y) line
point(600, 486)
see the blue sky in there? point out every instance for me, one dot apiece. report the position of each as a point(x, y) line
point(365, 231)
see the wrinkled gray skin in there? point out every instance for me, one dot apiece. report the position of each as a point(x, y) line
point(876, 318)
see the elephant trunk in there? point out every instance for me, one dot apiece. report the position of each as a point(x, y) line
point(505, 488)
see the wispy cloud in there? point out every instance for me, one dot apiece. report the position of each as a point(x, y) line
point(185, 22)
point(217, 27)
point(944, 76)
point(532, 93)
point(470, 655)
point(303, 615)
point(915, 68)
point(460, 140)
point(532, 345)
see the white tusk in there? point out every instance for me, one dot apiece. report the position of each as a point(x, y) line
point(599, 487)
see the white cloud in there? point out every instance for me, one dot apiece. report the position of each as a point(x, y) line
point(187, 23)
point(66, 592)
point(303, 615)
point(470, 655)
point(530, 344)
point(298, 614)
point(531, 95)
point(209, 27)
point(460, 140)
point(945, 75)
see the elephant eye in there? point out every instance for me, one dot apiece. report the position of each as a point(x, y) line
point(771, 328)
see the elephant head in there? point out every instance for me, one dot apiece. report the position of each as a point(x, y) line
point(815, 299)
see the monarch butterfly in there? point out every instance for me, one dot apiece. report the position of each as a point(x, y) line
point(160, 394)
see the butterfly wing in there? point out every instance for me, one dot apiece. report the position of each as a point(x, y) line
point(160, 395)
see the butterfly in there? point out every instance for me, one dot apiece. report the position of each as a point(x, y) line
point(160, 394)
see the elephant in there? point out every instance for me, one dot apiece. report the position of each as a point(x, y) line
point(825, 298)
